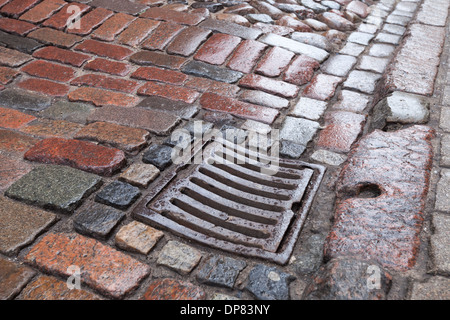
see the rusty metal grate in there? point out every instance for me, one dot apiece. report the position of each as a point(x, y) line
point(227, 202)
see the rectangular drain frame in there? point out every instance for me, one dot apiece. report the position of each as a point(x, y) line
point(161, 207)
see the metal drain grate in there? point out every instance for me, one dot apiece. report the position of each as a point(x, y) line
point(227, 201)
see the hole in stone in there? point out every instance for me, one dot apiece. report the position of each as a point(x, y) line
point(368, 191)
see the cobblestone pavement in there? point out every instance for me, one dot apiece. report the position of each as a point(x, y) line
point(357, 91)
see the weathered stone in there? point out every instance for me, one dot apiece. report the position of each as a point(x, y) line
point(374, 64)
point(328, 157)
point(348, 279)
point(20, 225)
point(158, 155)
point(436, 288)
point(118, 194)
point(433, 12)
point(97, 220)
point(69, 111)
point(382, 200)
point(231, 28)
point(362, 81)
point(23, 100)
point(339, 65)
point(312, 39)
point(206, 70)
point(101, 267)
point(310, 256)
point(137, 237)
point(322, 87)
point(126, 6)
point(291, 149)
point(81, 155)
point(172, 289)
point(177, 108)
point(442, 192)
point(352, 49)
point(440, 243)
point(49, 288)
point(140, 174)
point(335, 21)
point(295, 46)
point(298, 130)
point(13, 58)
point(220, 271)
point(179, 257)
point(351, 101)
point(269, 283)
point(445, 150)
point(54, 187)
point(22, 44)
point(12, 169)
point(13, 277)
point(341, 130)
point(309, 108)
point(264, 99)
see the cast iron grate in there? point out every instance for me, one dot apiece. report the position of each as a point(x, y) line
point(230, 203)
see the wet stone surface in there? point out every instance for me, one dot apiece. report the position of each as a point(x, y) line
point(97, 221)
point(269, 283)
point(118, 194)
point(220, 271)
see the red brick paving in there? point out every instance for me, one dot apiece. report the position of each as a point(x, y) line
point(100, 97)
point(269, 85)
point(91, 20)
point(168, 91)
point(13, 119)
point(301, 70)
point(16, 142)
point(16, 26)
point(274, 62)
point(172, 289)
point(49, 70)
point(43, 86)
point(246, 56)
point(104, 49)
point(16, 7)
point(59, 19)
point(217, 49)
point(112, 27)
point(77, 154)
point(7, 75)
point(108, 66)
point(54, 37)
point(157, 74)
point(137, 31)
point(187, 41)
point(173, 16)
point(162, 35)
point(42, 11)
point(75, 59)
point(102, 267)
point(105, 82)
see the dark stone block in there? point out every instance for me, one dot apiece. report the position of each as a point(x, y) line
point(221, 271)
point(97, 220)
point(158, 155)
point(118, 194)
point(269, 283)
point(201, 69)
point(22, 44)
point(23, 100)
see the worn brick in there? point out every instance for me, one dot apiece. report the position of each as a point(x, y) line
point(44, 86)
point(13, 277)
point(341, 131)
point(48, 70)
point(13, 119)
point(82, 155)
point(137, 31)
point(59, 20)
point(102, 268)
point(42, 11)
point(335, 21)
point(322, 87)
point(47, 128)
point(339, 65)
point(301, 70)
point(178, 108)
point(158, 59)
point(105, 82)
point(188, 40)
point(269, 85)
point(173, 289)
point(12, 141)
point(152, 120)
point(104, 49)
point(162, 35)
point(108, 66)
point(231, 28)
point(124, 138)
point(202, 69)
point(50, 288)
point(54, 37)
point(362, 81)
point(100, 97)
point(137, 237)
point(69, 111)
point(91, 20)
point(12, 169)
point(13, 58)
point(75, 59)
point(274, 62)
point(16, 7)
point(351, 101)
point(217, 48)
point(19, 43)
point(23, 100)
point(157, 74)
point(173, 16)
point(381, 198)
point(54, 187)
point(16, 26)
point(7, 75)
point(264, 99)
point(127, 6)
point(214, 102)
point(21, 224)
point(246, 56)
point(112, 27)
point(168, 91)
point(309, 108)
point(203, 84)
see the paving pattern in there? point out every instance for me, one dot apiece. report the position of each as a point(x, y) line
point(91, 91)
